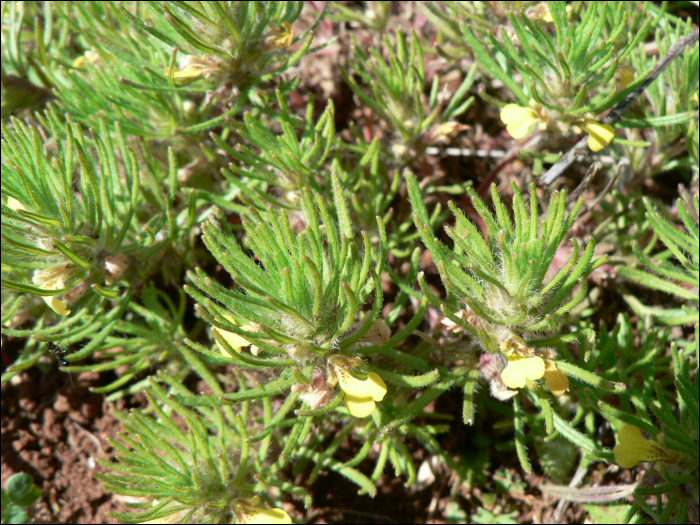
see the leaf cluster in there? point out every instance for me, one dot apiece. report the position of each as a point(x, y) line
point(305, 294)
point(572, 71)
point(661, 274)
point(505, 281)
point(392, 88)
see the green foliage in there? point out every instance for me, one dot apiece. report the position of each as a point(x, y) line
point(391, 81)
point(18, 494)
point(572, 72)
point(157, 64)
point(23, 84)
point(671, 118)
point(558, 457)
point(305, 299)
point(334, 304)
point(195, 475)
point(576, 62)
point(607, 513)
point(504, 282)
point(82, 244)
point(510, 295)
point(283, 162)
point(47, 225)
point(396, 96)
point(663, 275)
point(673, 481)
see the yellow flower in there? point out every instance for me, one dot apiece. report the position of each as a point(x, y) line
point(626, 76)
point(57, 305)
point(528, 364)
point(360, 395)
point(54, 279)
point(633, 448)
point(91, 56)
point(247, 511)
point(539, 12)
point(282, 36)
point(196, 66)
point(599, 135)
point(14, 204)
point(190, 71)
point(523, 364)
point(557, 381)
point(521, 369)
point(235, 341)
point(519, 120)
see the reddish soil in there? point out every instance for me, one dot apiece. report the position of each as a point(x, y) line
point(56, 432)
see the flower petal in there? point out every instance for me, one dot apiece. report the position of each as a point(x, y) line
point(629, 434)
point(520, 369)
point(513, 376)
point(247, 512)
point(376, 386)
point(518, 120)
point(56, 304)
point(359, 406)
point(53, 279)
point(379, 333)
point(626, 76)
point(373, 387)
point(14, 204)
point(514, 113)
point(360, 395)
point(350, 384)
point(353, 362)
point(557, 381)
point(285, 36)
point(191, 71)
point(539, 12)
point(632, 447)
point(259, 515)
point(599, 135)
point(235, 341)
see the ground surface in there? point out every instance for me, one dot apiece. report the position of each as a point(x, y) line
point(56, 431)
